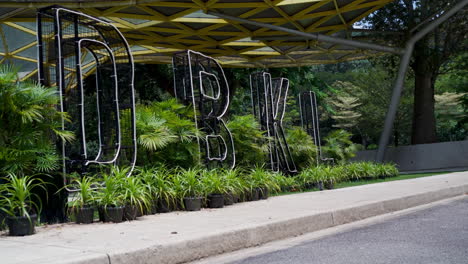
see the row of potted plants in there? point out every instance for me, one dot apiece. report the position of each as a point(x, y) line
point(117, 197)
point(326, 176)
point(151, 190)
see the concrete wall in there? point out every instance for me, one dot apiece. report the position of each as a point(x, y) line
point(425, 157)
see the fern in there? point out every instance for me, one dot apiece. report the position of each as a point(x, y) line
point(29, 124)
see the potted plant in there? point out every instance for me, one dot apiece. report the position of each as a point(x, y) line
point(234, 186)
point(251, 188)
point(17, 201)
point(215, 188)
point(82, 201)
point(110, 199)
point(331, 175)
point(164, 191)
point(135, 196)
point(192, 189)
point(317, 176)
point(305, 180)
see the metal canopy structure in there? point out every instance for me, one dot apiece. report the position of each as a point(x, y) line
point(244, 33)
point(157, 29)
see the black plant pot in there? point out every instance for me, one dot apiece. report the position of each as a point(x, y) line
point(329, 185)
point(228, 199)
point(243, 197)
point(113, 214)
point(236, 198)
point(320, 185)
point(84, 215)
point(130, 212)
point(253, 195)
point(309, 186)
point(263, 193)
point(140, 211)
point(215, 201)
point(2, 222)
point(163, 206)
point(154, 208)
point(192, 203)
point(21, 225)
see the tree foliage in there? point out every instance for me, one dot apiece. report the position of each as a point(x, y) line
point(29, 125)
point(167, 133)
point(345, 105)
point(249, 140)
point(404, 18)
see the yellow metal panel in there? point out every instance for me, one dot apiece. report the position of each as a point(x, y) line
point(161, 33)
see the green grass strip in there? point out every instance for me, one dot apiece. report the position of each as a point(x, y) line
point(364, 182)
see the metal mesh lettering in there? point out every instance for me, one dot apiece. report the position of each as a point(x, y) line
point(73, 46)
point(269, 105)
point(310, 121)
point(199, 80)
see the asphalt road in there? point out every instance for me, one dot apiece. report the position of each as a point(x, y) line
point(430, 236)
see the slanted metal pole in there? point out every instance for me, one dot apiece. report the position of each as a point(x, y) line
point(393, 107)
point(398, 87)
point(314, 36)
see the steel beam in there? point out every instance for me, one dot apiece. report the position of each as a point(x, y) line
point(314, 36)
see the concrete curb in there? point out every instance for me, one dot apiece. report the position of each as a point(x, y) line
point(191, 250)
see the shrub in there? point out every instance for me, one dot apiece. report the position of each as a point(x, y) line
point(338, 145)
point(303, 150)
point(168, 134)
point(249, 140)
point(29, 121)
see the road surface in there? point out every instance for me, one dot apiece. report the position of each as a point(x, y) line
point(436, 235)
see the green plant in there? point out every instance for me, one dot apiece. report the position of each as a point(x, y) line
point(306, 178)
point(284, 183)
point(17, 197)
point(369, 170)
point(339, 146)
point(214, 183)
point(249, 140)
point(147, 176)
point(264, 179)
point(29, 121)
point(86, 192)
point(330, 174)
point(163, 186)
point(233, 180)
point(191, 183)
point(387, 170)
point(168, 134)
point(315, 174)
point(110, 192)
point(355, 171)
point(303, 150)
point(135, 192)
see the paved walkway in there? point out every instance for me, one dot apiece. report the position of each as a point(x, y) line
point(185, 236)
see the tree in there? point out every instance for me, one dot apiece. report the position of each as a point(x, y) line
point(429, 54)
point(345, 114)
point(449, 111)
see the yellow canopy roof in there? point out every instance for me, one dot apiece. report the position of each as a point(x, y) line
point(156, 29)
